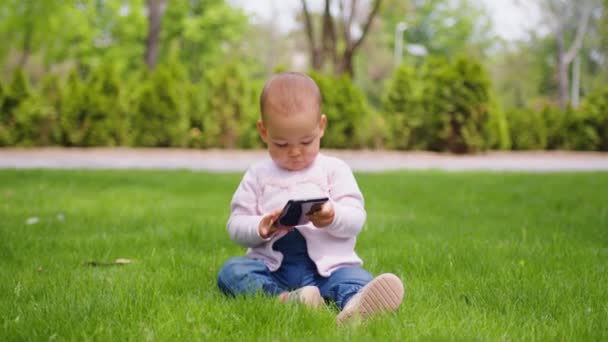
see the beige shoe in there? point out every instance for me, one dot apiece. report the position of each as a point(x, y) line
point(383, 294)
point(307, 295)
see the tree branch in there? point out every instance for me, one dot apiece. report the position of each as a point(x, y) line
point(315, 55)
point(308, 25)
point(329, 33)
point(368, 24)
point(348, 21)
point(581, 30)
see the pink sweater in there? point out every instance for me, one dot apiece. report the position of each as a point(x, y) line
point(266, 187)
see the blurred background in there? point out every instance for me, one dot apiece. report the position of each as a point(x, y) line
point(441, 75)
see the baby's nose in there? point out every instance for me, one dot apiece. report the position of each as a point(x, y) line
point(294, 151)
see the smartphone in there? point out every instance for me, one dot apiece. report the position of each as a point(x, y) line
point(295, 211)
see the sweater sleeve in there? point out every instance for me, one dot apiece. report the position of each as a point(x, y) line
point(347, 201)
point(244, 219)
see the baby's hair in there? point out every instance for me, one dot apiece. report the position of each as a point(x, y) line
point(290, 92)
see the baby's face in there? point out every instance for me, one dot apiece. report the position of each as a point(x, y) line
point(294, 140)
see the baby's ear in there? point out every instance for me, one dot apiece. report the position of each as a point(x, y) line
point(322, 124)
point(262, 131)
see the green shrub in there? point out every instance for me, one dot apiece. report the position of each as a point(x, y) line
point(346, 111)
point(17, 93)
point(527, 129)
point(444, 106)
point(376, 132)
point(596, 107)
point(457, 95)
point(3, 129)
point(161, 115)
point(555, 129)
point(72, 112)
point(407, 125)
point(94, 112)
point(497, 136)
point(35, 123)
point(580, 131)
point(232, 108)
point(553, 120)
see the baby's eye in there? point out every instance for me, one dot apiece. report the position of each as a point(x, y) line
point(280, 145)
point(306, 142)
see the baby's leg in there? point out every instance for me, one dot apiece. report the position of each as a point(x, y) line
point(243, 275)
point(343, 283)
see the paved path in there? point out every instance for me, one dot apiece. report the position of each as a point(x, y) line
point(239, 160)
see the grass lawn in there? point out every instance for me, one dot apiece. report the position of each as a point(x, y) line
point(485, 256)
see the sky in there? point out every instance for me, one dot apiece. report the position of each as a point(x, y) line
point(511, 18)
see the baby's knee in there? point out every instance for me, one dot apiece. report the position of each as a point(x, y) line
point(235, 268)
point(352, 275)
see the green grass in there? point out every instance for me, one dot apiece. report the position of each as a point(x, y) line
point(485, 256)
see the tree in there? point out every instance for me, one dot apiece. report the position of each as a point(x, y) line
point(156, 8)
point(434, 28)
point(328, 47)
point(569, 23)
point(446, 27)
point(202, 33)
point(232, 108)
point(27, 26)
point(13, 96)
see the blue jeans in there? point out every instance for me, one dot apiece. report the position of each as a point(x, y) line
point(247, 276)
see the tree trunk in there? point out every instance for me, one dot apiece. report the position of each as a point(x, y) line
point(567, 55)
point(345, 65)
point(316, 52)
point(27, 45)
point(341, 61)
point(575, 93)
point(329, 35)
point(27, 37)
point(155, 13)
point(562, 71)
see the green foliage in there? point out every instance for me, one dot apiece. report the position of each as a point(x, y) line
point(232, 108)
point(17, 93)
point(94, 111)
point(596, 108)
point(458, 95)
point(570, 129)
point(446, 106)
point(527, 129)
point(72, 119)
point(404, 115)
point(497, 127)
point(346, 110)
point(444, 27)
point(579, 131)
point(36, 116)
point(3, 128)
point(26, 117)
point(28, 25)
point(204, 30)
point(162, 107)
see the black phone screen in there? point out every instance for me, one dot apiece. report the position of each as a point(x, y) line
point(295, 211)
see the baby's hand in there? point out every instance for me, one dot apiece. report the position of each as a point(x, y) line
point(267, 227)
point(323, 217)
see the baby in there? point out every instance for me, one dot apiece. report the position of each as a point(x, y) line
point(315, 261)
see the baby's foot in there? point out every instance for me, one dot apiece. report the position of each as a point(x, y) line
point(307, 295)
point(383, 294)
